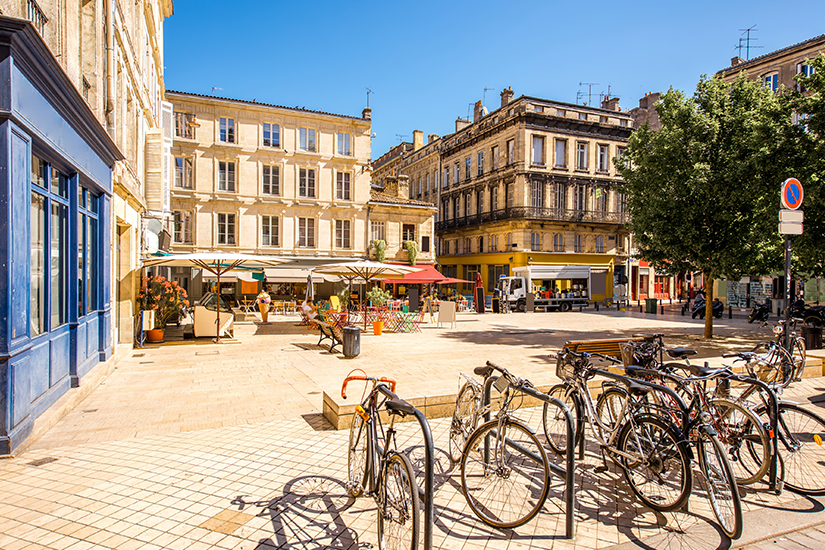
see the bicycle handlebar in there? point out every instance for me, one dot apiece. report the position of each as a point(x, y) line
point(514, 380)
point(374, 381)
point(607, 357)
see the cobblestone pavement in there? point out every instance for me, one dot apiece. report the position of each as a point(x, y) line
point(206, 446)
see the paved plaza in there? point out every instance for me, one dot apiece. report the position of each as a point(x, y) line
point(198, 445)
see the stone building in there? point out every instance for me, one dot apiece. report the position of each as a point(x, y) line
point(264, 179)
point(532, 182)
point(777, 68)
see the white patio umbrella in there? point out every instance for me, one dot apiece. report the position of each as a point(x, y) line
point(366, 270)
point(216, 262)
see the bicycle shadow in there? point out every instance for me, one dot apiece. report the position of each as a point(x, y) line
point(308, 515)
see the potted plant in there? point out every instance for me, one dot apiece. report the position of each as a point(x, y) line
point(378, 297)
point(380, 249)
point(166, 299)
point(263, 300)
point(412, 251)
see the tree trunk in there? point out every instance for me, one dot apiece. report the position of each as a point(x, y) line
point(708, 305)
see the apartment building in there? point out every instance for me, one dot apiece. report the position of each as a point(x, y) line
point(257, 178)
point(532, 182)
point(778, 68)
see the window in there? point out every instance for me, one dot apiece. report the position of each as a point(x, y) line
point(480, 164)
point(376, 231)
point(493, 199)
point(226, 229)
point(428, 184)
point(306, 182)
point(269, 231)
point(479, 202)
point(602, 120)
point(603, 157)
point(537, 194)
point(185, 125)
point(494, 156)
point(456, 207)
point(470, 272)
point(511, 152)
point(582, 116)
point(227, 130)
point(538, 150)
point(342, 228)
point(581, 156)
point(494, 273)
point(467, 163)
point(538, 108)
point(38, 264)
point(560, 112)
point(407, 232)
point(601, 200)
point(561, 196)
point(509, 242)
point(535, 242)
point(425, 243)
point(226, 176)
point(600, 244)
point(344, 144)
point(342, 186)
point(307, 139)
point(578, 245)
point(561, 153)
point(619, 152)
point(182, 228)
point(467, 246)
point(581, 198)
point(467, 204)
point(805, 70)
point(272, 135)
point(623, 123)
point(456, 174)
point(306, 232)
point(183, 172)
point(509, 197)
point(446, 180)
point(558, 242)
point(771, 81)
point(87, 237)
point(621, 200)
point(271, 180)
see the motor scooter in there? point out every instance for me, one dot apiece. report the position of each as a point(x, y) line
point(811, 315)
point(698, 309)
point(760, 312)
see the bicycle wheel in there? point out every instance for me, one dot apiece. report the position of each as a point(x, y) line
point(799, 353)
point(658, 470)
point(505, 476)
point(398, 506)
point(464, 420)
point(721, 485)
point(801, 435)
point(609, 406)
point(741, 432)
point(552, 419)
point(357, 456)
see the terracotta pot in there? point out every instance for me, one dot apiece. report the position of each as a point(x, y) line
point(264, 312)
point(154, 335)
point(377, 327)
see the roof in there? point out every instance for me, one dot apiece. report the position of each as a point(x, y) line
point(376, 195)
point(262, 104)
point(754, 60)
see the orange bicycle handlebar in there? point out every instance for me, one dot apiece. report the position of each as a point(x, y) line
point(348, 379)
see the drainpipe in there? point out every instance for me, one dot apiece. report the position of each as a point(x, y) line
point(110, 67)
point(367, 232)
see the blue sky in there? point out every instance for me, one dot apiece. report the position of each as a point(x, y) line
point(428, 61)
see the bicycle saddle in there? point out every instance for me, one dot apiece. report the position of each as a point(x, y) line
point(636, 372)
point(680, 352)
point(483, 371)
point(398, 406)
point(634, 388)
point(695, 370)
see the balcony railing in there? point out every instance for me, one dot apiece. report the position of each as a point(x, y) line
point(534, 213)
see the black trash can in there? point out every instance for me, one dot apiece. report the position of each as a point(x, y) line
point(812, 336)
point(650, 305)
point(352, 341)
point(496, 305)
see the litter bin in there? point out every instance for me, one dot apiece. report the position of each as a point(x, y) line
point(812, 336)
point(496, 305)
point(650, 305)
point(352, 341)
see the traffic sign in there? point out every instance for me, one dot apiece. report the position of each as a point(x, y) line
point(797, 216)
point(790, 228)
point(792, 194)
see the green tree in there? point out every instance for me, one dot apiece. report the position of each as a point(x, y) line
point(703, 191)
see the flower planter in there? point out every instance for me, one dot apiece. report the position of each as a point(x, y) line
point(377, 327)
point(264, 312)
point(154, 335)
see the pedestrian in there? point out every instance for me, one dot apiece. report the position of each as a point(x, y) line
point(309, 310)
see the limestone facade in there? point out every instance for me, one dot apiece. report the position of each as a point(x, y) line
point(395, 218)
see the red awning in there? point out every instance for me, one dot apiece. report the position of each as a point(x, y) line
point(428, 274)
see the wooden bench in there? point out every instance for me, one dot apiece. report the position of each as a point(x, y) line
point(328, 332)
point(606, 346)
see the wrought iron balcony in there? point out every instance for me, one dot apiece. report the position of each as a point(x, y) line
point(534, 213)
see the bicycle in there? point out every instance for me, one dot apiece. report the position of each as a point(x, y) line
point(375, 466)
point(784, 359)
point(650, 450)
point(468, 410)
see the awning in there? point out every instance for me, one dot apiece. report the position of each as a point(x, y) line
point(231, 276)
point(427, 274)
point(287, 275)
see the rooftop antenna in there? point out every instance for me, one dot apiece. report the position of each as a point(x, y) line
point(469, 108)
point(579, 95)
point(400, 137)
point(216, 88)
point(747, 40)
point(484, 96)
point(368, 96)
point(589, 90)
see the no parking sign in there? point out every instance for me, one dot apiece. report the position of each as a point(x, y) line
point(792, 194)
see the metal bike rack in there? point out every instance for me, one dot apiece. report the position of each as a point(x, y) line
point(567, 473)
point(429, 461)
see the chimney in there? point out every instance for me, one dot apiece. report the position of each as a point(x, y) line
point(611, 103)
point(404, 187)
point(431, 138)
point(734, 61)
point(460, 124)
point(366, 114)
point(506, 96)
point(478, 111)
point(391, 185)
point(418, 140)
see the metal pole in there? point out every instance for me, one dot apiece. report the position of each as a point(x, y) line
point(429, 460)
point(788, 289)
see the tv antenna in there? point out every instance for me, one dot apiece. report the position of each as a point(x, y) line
point(747, 42)
point(484, 96)
point(216, 88)
point(400, 137)
point(368, 96)
point(589, 90)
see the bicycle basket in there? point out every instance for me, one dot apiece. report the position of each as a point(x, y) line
point(767, 372)
point(628, 354)
point(566, 367)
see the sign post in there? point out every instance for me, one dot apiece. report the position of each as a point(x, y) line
point(790, 223)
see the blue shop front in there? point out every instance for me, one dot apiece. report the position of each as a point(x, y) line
point(56, 164)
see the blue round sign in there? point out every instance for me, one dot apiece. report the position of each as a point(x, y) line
point(792, 194)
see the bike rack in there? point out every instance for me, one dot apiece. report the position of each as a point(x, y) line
point(567, 473)
point(429, 461)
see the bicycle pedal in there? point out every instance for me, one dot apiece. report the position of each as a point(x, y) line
point(601, 469)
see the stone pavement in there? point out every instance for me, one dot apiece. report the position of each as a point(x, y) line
point(206, 446)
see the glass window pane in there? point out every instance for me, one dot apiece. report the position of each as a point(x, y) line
point(38, 172)
point(91, 264)
point(59, 186)
point(57, 258)
point(81, 263)
point(38, 264)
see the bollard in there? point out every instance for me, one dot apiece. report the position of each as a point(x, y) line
point(617, 305)
point(640, 307)
point(662, 309)
point(730, 312)
point(683, 309)
point(597, 305)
